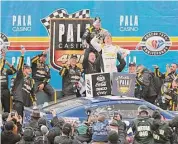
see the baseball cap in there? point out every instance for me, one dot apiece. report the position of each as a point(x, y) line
point(67, 128)
point(97, 18)
point(26, 66)
point(143, 108)
point(28, 134)
point(117, 113)
point(113, 137)
point(73, 56)
point(132, 64)
point(9, 125)
point(42, 121)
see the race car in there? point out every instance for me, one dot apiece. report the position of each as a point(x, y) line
point(79, 108)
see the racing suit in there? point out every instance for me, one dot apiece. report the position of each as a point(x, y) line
point(142, 129)
point(89, 35)
point(169, 98)
point(5, 93)
point(109, 54)
point(71, 77)
point(23, 89)
point(41, 74)
point(167, 77)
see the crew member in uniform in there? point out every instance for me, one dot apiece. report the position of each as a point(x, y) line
point(142, 127)
point(90, 32)
point(23, 88)
point(169, 96)
point(41, 74)
point(5, 93)
point(170, 75)
point(71, 75)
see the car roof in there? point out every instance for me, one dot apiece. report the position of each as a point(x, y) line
point(110, 98)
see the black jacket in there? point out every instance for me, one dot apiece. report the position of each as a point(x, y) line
point(162, 133)
point(122, 63)
point(5, 73)
point(40, 71)
point(145, 79)
point(142, 129)
point(8, 137)
point(121, 127)
point(91, 67)
point(23, 87)
point(70, 76)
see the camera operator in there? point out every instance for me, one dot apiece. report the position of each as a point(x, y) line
point(174, 125)
point(12, 129)
point(71, 75)
point(169, 95)
point(142, 127)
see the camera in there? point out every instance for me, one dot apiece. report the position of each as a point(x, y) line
point(13, 113)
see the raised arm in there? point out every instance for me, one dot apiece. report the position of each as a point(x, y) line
point(95, 44)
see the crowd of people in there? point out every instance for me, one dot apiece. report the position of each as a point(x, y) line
point(100, 55)
point(97, 129)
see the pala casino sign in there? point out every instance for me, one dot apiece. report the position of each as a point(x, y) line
point(65, 33)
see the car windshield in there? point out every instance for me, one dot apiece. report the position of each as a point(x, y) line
point(128, 111)
point(65, 105)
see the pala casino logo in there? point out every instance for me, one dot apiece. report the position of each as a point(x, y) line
point(4, 43)
point(21, 23)
point(155, 43)
point(65, 31)
point(129, 23)
point(123, 84)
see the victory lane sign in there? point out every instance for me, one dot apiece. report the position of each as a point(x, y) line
point(65, 37)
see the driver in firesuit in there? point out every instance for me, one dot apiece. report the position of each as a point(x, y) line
point(142, 127)
point(5, 72)
point(23, 87)
point(109, 52)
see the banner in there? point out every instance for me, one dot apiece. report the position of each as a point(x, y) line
point(148, 29)
point(123, 84)
point(98, 84)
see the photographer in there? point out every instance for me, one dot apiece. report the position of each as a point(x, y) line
point(169, 95)
point(71, 75)
point(12, 129)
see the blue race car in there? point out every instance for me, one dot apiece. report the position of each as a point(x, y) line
point(77, 108)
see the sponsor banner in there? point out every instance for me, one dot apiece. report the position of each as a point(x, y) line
point(150, 32)
point(123, 84)
point(98, 84)
point(101, 84)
